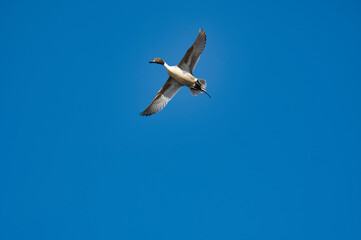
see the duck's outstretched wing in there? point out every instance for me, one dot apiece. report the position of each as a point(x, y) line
point(165, 94)
point(190, 59)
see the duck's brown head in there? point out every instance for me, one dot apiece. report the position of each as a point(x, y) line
point(157, 60)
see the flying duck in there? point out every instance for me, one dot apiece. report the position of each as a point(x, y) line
point(179, 76)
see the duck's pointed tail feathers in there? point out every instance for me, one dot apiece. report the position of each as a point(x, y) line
point(200, 88)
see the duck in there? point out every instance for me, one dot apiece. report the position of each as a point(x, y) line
point(179, 76)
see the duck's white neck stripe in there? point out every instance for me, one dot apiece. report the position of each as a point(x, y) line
point(166, 65)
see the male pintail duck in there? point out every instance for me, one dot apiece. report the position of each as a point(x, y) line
point(180, 75)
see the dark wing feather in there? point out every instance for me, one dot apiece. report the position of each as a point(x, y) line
point(165, 94)
point(190, 59)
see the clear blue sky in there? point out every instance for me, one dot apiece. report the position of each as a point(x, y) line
point(275, 154)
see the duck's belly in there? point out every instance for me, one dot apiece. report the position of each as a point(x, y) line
point(183, 77)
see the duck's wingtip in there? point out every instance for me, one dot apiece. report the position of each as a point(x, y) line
point(144, 114)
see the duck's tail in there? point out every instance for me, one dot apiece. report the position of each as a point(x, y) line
point(199, 88)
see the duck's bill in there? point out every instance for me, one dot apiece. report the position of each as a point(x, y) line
point(151, 61)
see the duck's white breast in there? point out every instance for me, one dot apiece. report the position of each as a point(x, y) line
point(183, 77)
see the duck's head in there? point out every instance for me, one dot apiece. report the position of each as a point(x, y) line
point(157, 60)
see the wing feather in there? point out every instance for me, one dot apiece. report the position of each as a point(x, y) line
point(165, 94)
point(190, 59)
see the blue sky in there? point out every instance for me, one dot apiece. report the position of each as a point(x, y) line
point(275, 154)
